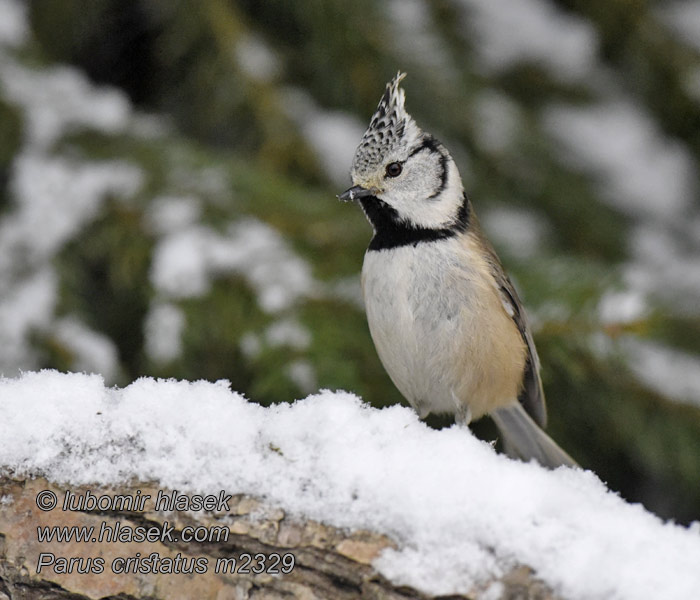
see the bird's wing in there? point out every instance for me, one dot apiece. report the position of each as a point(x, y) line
point(532, 395)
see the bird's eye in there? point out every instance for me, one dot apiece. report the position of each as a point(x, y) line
point(394, 169)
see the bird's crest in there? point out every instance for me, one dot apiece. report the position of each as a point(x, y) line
point(390, 128)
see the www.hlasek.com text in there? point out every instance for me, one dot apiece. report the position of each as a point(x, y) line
point(126, 534)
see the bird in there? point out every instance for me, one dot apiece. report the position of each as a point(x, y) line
point(445, 319)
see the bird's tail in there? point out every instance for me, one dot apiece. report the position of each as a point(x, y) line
point(522, 438)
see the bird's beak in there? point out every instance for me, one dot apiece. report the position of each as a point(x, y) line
point(356, 192)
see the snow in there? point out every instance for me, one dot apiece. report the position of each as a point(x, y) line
point(413, 32)
point(25, 306)
point(93, 352)
point(459, 513)
point(519, 231)
point(163, 332)
point(13, 24)
point(665, 264)
point(54, 199)
point(349, 289)
point(332, 135)
point(672, 373)
point(506, 33)
point(284, 333)
point(640, 170)
point(166, 214)
point(60, 100)
point(616, 307)
point(684, 20)
point(497, 121)
point(303, 375)
point(250, 345)
point(649, 177)
point(256, 58)
point(186, 261)
point(51, 198)
point(288, 332)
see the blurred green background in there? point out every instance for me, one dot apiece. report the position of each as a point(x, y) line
point(168, 172)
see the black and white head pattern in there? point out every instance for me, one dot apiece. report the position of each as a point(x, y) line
point(411, 175)
point(390, 129)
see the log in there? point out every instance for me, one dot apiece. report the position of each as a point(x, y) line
point(246, 550)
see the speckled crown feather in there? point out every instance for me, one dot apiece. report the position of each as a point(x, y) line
point(390, 128)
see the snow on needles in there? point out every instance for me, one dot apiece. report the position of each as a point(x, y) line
point(640, 170)
point(51, 196)
point(506, 33)
point(13, 25)
point(186, 261)
point(460, 513)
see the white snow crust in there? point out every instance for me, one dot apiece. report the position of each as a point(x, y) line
point(459, 512)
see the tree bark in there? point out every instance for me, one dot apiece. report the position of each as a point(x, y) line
point(328, 562)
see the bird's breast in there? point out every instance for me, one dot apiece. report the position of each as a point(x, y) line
point(439, 327)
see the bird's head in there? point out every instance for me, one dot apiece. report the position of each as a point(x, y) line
point(399, 166)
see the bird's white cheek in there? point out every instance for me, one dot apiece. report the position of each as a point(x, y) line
point(416, 206)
